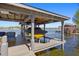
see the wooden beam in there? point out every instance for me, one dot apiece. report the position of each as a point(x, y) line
point(14, 20)
point(27, 19)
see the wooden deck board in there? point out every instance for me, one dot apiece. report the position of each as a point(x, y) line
point(43, 46)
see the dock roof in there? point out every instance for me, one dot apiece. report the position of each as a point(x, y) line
point(21, 13)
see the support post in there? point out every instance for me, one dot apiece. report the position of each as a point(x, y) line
point(32, 32)
point(22, 30)
point(44, 34)
point(62, 34)
point(38, 39)
point(4, 46)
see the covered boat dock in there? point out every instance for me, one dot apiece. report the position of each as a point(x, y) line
point(34, 16)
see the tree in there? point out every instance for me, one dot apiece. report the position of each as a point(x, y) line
point(76, 19)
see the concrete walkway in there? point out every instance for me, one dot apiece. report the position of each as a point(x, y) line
point(20, 50)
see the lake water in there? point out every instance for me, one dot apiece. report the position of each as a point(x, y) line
point(71, 45)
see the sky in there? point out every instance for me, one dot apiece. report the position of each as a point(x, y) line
point(67, 9)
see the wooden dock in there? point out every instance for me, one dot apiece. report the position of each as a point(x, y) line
point(43, 46)
point(22, 50)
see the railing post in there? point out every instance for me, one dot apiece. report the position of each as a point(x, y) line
point(4, 46)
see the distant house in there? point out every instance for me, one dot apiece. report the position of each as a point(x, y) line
point(69, 29)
